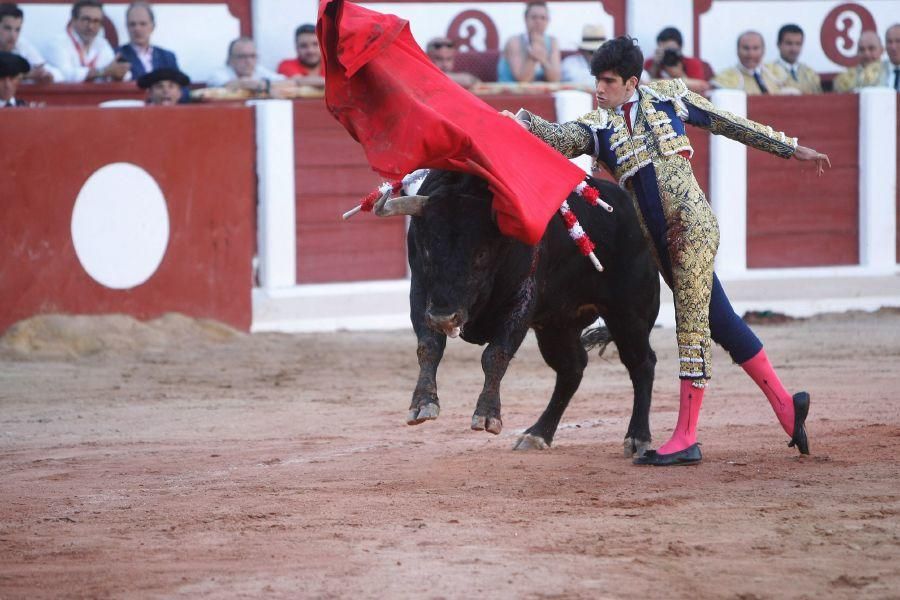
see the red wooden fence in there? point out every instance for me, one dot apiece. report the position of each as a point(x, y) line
point(205, 172)
point(794, 218)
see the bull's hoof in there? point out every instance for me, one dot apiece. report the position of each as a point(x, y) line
point(490, 424)
point(427, 412)
point(634, 447)
point(529, 441)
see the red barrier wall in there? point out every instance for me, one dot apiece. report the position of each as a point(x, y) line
point(794, 218)
point(333, 176)
point(205, 171)
point(79, 94)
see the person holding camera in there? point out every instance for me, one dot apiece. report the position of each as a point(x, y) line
point(81, 53)
point(669, 62)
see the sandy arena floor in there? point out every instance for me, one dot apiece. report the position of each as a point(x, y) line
point(179, 459)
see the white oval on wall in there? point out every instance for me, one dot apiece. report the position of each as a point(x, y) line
point(120, 226)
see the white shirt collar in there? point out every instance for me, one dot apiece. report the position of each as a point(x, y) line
point(634, 98)
point(789, 66)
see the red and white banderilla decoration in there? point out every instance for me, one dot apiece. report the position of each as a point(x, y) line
point(590, 194)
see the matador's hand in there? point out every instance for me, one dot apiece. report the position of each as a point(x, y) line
point(804, 153)
point(509, 115)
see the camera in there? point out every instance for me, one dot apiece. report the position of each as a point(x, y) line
point(671, 57)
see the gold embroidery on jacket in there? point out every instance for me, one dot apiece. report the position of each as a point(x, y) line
point(692, 238)
point(753, 134)
point(568, 138)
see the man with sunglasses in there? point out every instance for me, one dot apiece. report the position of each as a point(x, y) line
point(81, 53)
point(442, 52)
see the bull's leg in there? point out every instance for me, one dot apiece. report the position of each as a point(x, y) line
point(562, 350)
point(632, 336)
point(430, 350)
point(425, 405)
point(494, 361)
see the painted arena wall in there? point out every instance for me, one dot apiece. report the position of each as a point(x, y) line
point(259, 245)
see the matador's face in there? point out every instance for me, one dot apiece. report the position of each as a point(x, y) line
point(613, 91)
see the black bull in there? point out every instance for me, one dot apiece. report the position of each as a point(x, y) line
point(469, 279)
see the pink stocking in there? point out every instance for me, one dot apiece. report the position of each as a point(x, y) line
point(685, 433)
point(760, 370)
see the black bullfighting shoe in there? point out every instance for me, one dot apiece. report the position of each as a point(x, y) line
point(801, 409)
point(689, 456)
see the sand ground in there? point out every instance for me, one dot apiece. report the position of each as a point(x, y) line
point(181, 459)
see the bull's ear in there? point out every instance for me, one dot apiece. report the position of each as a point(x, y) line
point(404, 205)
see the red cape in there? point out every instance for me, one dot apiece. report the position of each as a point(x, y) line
point(408, 115)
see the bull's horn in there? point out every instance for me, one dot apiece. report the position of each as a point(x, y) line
point(404, 205)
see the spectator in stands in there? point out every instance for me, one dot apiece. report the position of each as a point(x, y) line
point(870, 71)
point(793, 76)
point(442, 52)
point(533, 55)
point(307, 68)
point(11, 40)
point(81, 53)
point(242, 71)
point(576, 68)
point(165, 86)
point(892, 43)
point(669, 62)
point(750, 74)
point(12, 68)
point(143, 57)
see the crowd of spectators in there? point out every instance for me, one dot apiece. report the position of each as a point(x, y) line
point(535, 56)
point(81, 53)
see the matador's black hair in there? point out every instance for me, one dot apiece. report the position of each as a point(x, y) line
point(621, 55)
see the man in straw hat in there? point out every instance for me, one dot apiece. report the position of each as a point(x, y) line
point(12, 68)
point(576, 68)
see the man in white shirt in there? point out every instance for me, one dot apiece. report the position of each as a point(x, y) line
point(11, 19)
point(576, 68)
point(242, 71)
point(81, 53)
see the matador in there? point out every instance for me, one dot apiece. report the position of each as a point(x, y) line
point(638, 134)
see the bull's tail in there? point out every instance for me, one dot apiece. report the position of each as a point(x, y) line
point(596, 337)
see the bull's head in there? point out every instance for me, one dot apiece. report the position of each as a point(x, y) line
point(456, 253)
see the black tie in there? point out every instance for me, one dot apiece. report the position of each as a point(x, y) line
point(897, 79)
point(759, 82)
point(794, 72)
